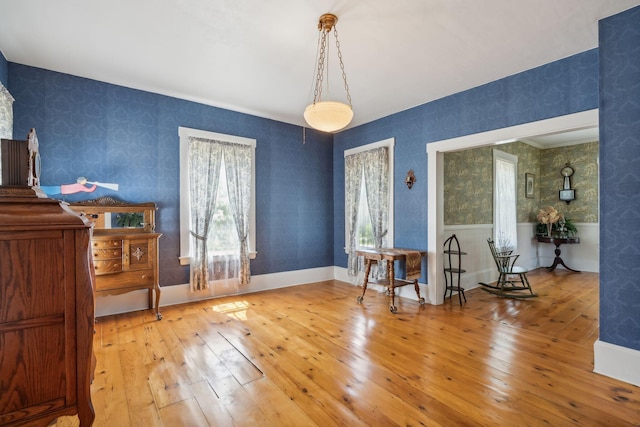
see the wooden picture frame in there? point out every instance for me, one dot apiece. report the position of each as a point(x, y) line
point(529, 185)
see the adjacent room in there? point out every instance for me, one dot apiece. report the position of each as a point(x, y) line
point(230, 214)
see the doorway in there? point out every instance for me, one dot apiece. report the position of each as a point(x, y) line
point(435, 155)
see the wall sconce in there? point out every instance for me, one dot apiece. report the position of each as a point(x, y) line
point(410, 179)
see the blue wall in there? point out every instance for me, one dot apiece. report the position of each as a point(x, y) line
point(4, 71)
point(620, 179)
point(556, 89)
point(114, 134)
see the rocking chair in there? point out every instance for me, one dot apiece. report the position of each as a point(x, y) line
point(512, 280)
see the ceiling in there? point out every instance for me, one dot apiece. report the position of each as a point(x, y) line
point(258, 57)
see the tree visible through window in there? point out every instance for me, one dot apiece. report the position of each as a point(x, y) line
point(223, 238)
point(364, 225)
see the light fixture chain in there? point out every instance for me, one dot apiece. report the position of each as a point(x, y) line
point(317, 94)
point(344, 75)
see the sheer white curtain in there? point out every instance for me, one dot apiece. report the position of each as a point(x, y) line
point(204, 175)
point(504, 206)
point(352, 183)
point(376, 178)
point(237, 160)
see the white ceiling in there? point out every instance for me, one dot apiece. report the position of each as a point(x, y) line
point(257, 56)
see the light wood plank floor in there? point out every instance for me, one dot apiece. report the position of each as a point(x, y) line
point(311, 356)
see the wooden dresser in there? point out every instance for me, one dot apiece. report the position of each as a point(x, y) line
point(125, 257)
point(46, 310)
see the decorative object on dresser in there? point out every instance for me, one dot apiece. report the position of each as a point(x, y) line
point(124, 246)
point(20, 161)
point(46, 310)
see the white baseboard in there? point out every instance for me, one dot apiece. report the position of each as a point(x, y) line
point(179, 294)
point(340, 273)
point(616, 362)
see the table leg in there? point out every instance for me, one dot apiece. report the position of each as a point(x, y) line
point(367, 270)
point(417, 288)
point(392, 286)
point(158, 291)
point(558, 261)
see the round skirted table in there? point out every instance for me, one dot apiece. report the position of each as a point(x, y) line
point(559, 241)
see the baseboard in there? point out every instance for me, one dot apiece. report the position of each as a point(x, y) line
point(180, 294)
point(341, 273)
point(617, 362)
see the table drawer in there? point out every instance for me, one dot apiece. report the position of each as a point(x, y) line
point(110, 266)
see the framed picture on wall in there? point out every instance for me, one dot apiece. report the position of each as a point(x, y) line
point(529, 185)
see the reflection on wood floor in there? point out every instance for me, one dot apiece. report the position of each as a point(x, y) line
point(311, 356)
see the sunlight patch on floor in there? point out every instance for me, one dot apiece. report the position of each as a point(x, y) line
point(235, 309)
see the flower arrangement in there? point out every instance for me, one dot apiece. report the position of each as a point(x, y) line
point(550, 220)
point(548, 215)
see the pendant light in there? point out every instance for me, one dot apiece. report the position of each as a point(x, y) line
point(328, 116)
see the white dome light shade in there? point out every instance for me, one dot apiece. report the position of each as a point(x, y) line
point(328, 116)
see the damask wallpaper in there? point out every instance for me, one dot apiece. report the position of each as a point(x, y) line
point(468, 182)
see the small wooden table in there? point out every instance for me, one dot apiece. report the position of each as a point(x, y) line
point(559, 241)
point(390, 255)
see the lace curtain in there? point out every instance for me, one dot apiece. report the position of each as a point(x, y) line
point(6, 113)
point(205, 159)
point(237, 160)
point(374, 166)
point(204, 175)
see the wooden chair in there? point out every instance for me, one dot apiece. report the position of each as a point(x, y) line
point(512, 279)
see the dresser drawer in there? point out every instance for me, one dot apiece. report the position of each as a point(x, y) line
point(127, 279)
point(109, 266)
point(104, 254)
point(106, 244)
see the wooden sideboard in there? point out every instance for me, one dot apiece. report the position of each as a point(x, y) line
point(46, 310)
point(125, 257)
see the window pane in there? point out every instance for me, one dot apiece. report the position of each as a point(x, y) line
point(223, 237)
point(365, 226)
point(505, 208)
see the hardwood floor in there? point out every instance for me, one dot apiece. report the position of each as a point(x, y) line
point(309, 355)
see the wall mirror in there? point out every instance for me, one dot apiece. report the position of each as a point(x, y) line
point(112, 215)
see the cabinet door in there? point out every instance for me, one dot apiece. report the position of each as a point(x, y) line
point(139, 254)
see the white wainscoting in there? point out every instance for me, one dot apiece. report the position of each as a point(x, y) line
point(584, 256)
point(479, 264)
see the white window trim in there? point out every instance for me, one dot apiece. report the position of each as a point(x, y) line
point(390, 143)
point(185, 134)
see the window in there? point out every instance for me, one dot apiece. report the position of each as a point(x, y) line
point(217, 156)
point(368, 198)
point(505, 168)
